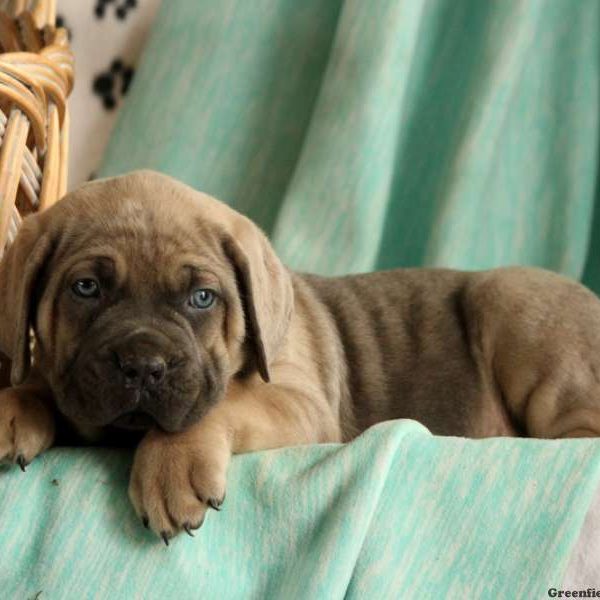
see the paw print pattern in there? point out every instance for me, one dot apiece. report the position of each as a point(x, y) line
point(122, 8)
point(113, 84)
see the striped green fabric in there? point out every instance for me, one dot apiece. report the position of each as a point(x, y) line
point(360, 135)
point(367, 135)
point(398, 513)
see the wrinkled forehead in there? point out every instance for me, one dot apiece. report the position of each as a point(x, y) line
point(142, 242)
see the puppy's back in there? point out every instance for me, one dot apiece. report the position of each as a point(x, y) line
point(407, 342)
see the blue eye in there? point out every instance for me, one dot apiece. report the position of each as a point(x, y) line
point(86, 288)
point(202, 299)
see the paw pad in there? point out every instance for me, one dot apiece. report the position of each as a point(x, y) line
point(114, 83)
point(122, 9)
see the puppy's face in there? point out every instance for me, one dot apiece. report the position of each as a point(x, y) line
point(140, 322)
point(147, 298)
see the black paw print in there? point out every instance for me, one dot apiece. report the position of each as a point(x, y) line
point(106, 85)
point(121, 10)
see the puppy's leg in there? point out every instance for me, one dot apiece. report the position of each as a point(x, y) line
point(539, 338)
point(560, 409)
point(175, 477)
point(27, 426)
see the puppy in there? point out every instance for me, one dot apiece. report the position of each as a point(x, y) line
point(156, 309)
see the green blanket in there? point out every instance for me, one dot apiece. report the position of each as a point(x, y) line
point(372, 134)
point(360, 135)
point(398, 513)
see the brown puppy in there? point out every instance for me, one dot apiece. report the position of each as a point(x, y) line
point(158, 308)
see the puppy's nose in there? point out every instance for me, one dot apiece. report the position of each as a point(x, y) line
point(142, 371)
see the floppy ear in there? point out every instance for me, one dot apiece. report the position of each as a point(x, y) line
point(266, 291)
point(19, 272)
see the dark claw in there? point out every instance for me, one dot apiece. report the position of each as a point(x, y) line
point(188, 529)
point(165, 536)
point(22, 462)
point(216, 504)
point(198, 525)
point(145, 522)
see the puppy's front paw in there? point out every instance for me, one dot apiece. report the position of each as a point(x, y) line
point(26, 426)
point(175, 478)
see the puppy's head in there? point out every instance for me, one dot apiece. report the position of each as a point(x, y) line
point(145, 297)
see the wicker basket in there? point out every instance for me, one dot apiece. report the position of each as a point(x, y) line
point(36, 77)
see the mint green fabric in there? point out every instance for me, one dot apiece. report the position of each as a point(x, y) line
point(366, 135)
point(398, 513)
point(360, 135)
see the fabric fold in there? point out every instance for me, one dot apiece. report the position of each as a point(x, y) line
point(396, 513)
